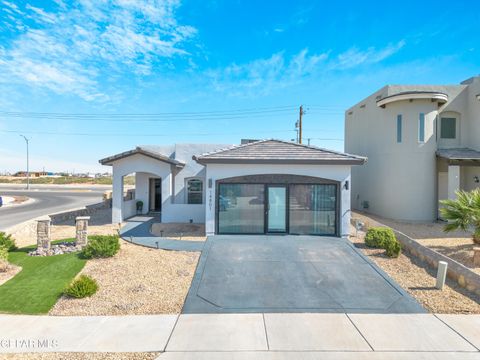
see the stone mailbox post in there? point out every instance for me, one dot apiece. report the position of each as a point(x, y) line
point(81, 224)
point(43, 234)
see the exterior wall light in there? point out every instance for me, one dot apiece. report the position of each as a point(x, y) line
point(476, 180)
point(346, 185)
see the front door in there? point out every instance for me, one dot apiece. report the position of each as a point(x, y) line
point(276, 209)
point(156, 195)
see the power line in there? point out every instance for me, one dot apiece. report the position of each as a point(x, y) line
point(130, 134)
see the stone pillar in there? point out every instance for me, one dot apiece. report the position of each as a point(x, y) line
point(81, 225)
point(43, 234)
point(453, 181)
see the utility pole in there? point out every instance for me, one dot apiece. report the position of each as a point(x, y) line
point(28, 170)
point(300, 124)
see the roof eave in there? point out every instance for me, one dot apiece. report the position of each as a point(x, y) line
point(109, 160)
point(205, 161)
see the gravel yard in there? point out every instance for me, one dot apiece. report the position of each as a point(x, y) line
point(457, 245)
point(419, 281)
point(80, 356)
point(12, 270)
point(137, 280)
point(180, 231)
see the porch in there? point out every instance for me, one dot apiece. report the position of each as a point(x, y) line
point(457, 169)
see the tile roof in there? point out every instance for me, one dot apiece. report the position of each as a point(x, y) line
point(143, 151)
point(278, 151)
point(459, 154)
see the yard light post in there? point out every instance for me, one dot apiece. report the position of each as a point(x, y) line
point(28, 171)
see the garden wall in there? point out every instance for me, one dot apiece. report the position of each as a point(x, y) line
point(460, 273)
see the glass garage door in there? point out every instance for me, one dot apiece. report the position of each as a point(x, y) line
point(313, 209)
point(241, 208)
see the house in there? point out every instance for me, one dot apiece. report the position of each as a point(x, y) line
point(423, 144)
point(266, 186)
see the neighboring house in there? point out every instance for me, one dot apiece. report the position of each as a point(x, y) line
point(422, 143)
point(267, 186)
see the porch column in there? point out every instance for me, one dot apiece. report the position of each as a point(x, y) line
point(117, 197)
point(453, 180)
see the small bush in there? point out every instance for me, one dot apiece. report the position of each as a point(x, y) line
point(383, 238)
point(378, 237)
point(82, 287)
point(7, 241)
point(101, 246)
point(393, 248)
point(3, 259)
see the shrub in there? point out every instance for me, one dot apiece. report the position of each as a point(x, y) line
point(7, 241)
point(378, 237)
point(101, 246)
point(82, 287)
point(3, 258)
point(393, 248)
point(383, 238)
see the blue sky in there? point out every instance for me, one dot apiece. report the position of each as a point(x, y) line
point(198, 63)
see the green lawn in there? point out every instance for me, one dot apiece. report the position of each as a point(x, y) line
point(40, 283)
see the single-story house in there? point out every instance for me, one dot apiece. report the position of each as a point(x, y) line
point(259, 187)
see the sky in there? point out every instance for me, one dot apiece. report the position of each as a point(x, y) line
point(87, 79)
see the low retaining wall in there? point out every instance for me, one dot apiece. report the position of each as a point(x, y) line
point(70, 215)
point(26, 232)
point(458, 272)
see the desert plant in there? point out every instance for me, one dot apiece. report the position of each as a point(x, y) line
point(393, 248)
point(3, 258)
point(101, 246)
point(463, 213)
point(81, 287)
point(7, 241)
point(384, 238)
point(377, 237)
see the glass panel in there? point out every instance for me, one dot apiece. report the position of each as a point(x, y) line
point(399, 128)
point(194, 191)
point(277, 209)
point(448, 128)
point(241, 208)
point(313, 209)
point(421, 127)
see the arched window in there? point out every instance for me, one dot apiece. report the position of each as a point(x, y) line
point(194, 191)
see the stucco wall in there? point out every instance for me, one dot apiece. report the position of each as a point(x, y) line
point(399, 180)
point(216, 172)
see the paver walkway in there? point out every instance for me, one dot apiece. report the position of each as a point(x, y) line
point(269, 336)
point(137, 231)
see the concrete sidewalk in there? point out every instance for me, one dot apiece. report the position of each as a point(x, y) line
point(250, 336)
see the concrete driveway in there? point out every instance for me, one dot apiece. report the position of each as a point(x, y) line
point(250, 274)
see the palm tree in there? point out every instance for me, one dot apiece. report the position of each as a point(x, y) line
point(463, 212)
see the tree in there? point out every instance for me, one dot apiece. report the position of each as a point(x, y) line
point(463, 212)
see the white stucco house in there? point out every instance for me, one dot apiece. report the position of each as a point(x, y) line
point(422, 142)
point(259, 187)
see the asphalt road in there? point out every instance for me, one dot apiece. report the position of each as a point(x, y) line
point(48, 199)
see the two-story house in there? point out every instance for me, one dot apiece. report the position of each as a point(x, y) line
point(422, 142)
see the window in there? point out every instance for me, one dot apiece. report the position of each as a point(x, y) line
point(241, 209)
point(399, 128)
point(448, 128)
point(313, 209)
point(194, 191)
point(421, 127)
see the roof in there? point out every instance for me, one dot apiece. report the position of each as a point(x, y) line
point(278, 151)
point(441, 97)
point(459, 154)
point(150, 152)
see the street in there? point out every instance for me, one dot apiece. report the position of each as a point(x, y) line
point(48, 199)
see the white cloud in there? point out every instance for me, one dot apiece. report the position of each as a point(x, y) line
point(68, 50)
point(263, 75)
point(354, 57)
